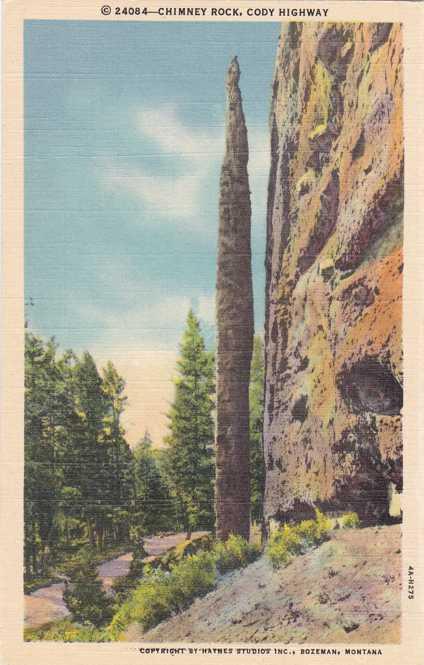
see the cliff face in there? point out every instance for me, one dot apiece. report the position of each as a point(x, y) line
point(234, 311)
point(333, 397)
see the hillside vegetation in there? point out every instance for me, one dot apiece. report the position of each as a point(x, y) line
point(345, 591)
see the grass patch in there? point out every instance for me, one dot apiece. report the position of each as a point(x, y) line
point(66, 631)
point(292, 539)
point(349, 521)
point(39, 583)
point(236, 552)
point(163, 593)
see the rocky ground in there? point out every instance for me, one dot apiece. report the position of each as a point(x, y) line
point(347, 590)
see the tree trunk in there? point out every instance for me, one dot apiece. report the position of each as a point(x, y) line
point(91, 536)
point(234, 324)
point(100, 537)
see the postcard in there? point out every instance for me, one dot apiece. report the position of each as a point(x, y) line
point(213, 328)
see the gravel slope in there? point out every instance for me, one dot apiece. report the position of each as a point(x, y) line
point(347, 590)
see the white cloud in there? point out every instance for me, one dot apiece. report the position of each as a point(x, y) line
point(165, 317)
point(190, 156)
point(173, 196)
point(143, 339)
point(164, 127)
point(192, 159)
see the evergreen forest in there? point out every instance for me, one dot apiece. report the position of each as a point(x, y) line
point(86, 490)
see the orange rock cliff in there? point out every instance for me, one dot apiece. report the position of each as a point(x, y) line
point(333, 395)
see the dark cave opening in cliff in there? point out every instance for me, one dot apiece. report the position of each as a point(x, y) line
point(369, 386)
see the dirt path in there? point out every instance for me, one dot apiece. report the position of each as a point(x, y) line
point(46, 604)
point(347, 590)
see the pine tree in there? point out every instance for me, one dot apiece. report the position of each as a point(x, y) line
point(85, 597)
point(120, 458)
point(145, 444)
point(153, 502)
point(256, 402)
point(192, 430)
point(47, 415)
point(90, 454)
point(79, 473)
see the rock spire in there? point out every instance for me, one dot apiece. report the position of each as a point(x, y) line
point(234, 302)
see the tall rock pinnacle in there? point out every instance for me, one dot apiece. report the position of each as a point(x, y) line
point(234, 302)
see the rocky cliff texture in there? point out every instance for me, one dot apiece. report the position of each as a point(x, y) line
point(334, 271)
point(234, 306)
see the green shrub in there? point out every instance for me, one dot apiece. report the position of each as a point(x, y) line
point(161, 593)
point(149, 604)
point(136, 566)
point(224, 559)
point(66, 631)
point(309, 532)
point(234, 553)
point(324, 525)
point(85, 597)
point(122, 587)
point(183, 550)
point(243, 551)
point(284, 543)
point(349, 521)
point(277, 552)
point(292, 539)
point(192, 578)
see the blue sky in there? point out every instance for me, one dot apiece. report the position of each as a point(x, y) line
point(124, 138)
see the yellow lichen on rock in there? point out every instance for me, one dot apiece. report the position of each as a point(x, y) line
point(334, 271)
